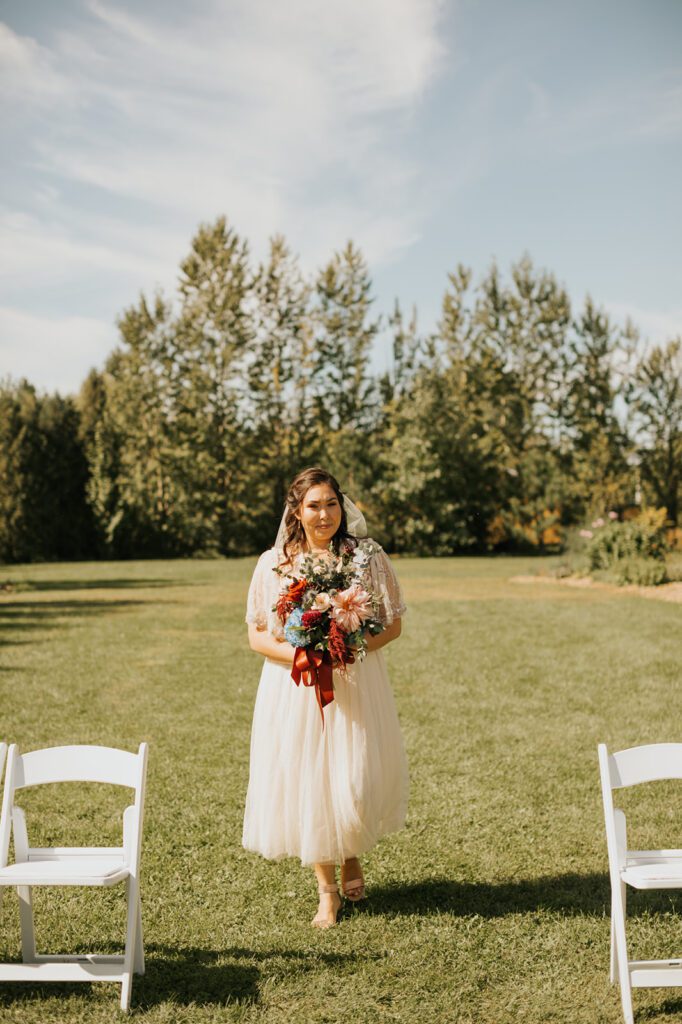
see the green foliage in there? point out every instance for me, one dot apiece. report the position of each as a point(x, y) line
point(493, 441)
point(655, 397)
point(281, 423)
point(343, 389)
point(43, 478)
point(594, 445)
point(632, 551)
point(644, 572)
point(514, 421)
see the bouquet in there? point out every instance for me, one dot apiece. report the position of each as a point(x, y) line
point(328, 612)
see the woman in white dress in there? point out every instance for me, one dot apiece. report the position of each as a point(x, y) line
point(323, 795)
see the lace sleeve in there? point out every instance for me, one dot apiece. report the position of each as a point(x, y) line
point(386, 587)
point(260, 592)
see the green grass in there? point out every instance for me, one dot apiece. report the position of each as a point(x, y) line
point(490, 906)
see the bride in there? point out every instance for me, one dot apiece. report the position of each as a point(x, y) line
point(323, 795)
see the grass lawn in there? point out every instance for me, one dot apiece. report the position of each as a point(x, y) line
point(490, 906)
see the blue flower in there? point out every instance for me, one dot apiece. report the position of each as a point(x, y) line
point(293, 630)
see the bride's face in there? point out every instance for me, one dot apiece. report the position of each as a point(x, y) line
point(320, 515)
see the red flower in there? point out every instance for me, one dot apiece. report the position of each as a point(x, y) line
point(290, 598)
point(296, 591)
point(311, 619)
point(340, 654)
point(283, 608)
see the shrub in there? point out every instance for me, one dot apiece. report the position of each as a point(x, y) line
point(633, 551)
point(645, 572)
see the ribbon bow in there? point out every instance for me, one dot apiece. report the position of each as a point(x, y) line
point(314, 668)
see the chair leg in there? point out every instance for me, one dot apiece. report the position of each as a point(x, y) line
point(132, 894)
point(618, 908)
point(139, 944)
point(613, 966)
point(28, 939)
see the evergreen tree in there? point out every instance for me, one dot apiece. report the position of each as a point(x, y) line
point(43, 474)
point(211, 348)
point(149, 513)
point(509, 417)
point(345, 332)
point(281, 414)
point(103, 444)
point(343, 390)
point(655, 396)
point(519, 335)
point(595, 455)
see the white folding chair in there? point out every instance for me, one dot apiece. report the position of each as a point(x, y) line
point(641, 869)
point(101, 866)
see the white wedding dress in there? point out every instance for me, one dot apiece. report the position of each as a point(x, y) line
point(324, 795)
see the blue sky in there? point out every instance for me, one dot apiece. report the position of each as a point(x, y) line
point(429, 132)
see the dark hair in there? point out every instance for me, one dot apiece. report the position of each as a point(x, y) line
point(294, 537)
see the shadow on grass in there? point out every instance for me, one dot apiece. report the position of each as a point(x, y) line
point(195, 975)
point(118, 583)
point(571, 894)
point(199, 975)
point(24, 615)
point(198, 978)
point(668, 1006)
point(188, 975)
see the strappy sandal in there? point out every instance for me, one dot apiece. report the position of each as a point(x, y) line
point(330, 920)
point(354, 890)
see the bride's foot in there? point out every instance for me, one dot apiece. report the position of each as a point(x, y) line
point(330, 904)
point(352, 880)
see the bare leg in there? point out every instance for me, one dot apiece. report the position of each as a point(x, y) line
point(352, 880)
point(330, 901)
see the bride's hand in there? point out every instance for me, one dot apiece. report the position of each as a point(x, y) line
point(274, 648)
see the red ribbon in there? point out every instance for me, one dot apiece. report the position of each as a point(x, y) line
point(314, 668)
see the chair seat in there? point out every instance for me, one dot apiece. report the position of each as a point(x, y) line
point(66, 871)
point(654, 874)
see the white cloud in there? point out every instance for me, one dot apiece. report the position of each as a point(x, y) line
point(248, 109)
point(286, 117)
point(54, 353)
point(31, 247)
point(641, 107)
point(28, 72)
point(655, 326)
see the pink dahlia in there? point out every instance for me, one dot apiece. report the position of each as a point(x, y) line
point(351, 608)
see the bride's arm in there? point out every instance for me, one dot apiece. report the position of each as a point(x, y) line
point(391, 632)
point(264, 643)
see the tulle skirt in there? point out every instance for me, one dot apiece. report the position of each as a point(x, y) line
point(324, 795)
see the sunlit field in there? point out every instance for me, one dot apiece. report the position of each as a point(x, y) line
point(490, 906)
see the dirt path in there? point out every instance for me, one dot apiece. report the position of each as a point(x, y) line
point(664, 592)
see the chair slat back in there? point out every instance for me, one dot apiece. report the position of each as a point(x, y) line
point(650, 763)
point(7, 801)
point(77, 764)
point(4, 828)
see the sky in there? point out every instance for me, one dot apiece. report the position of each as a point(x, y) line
point(430, 132)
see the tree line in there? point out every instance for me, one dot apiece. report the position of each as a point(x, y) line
point(516, 417)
